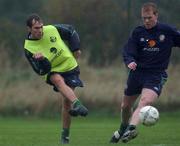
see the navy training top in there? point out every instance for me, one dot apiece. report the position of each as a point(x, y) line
point(151, 48)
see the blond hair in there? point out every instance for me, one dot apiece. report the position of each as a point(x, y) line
point(150, 6)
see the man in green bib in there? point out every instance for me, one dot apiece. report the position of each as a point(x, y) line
point(50, 57)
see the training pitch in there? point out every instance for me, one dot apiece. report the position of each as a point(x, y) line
point(90, 131)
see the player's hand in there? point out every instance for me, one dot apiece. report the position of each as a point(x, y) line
point(132, 65)
point(38, 56)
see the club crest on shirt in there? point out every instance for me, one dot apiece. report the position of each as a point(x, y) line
point(151, 43)
point(161, 37)
point(53, 39)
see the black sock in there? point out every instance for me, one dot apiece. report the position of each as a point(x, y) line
point(122, 128)
point(65, 132)
point(132, 127)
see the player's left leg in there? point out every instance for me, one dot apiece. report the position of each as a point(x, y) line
point(126, 110)
point(148, 97)
point(131, 93)
point(66, 121)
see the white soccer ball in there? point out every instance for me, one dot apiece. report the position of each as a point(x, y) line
point(148, 115)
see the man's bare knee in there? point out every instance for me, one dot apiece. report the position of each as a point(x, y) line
point(57, 80)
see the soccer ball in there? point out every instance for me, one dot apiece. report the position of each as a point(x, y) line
point(148, 115)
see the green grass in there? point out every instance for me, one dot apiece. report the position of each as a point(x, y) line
point(90, 131)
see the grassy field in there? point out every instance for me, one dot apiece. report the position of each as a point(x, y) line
point(90, 131)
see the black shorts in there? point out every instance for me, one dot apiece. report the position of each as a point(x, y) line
point(137, 80)
point(71, 78)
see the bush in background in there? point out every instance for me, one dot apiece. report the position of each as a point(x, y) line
point(22, 92)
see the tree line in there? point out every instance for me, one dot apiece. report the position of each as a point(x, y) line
point(103, 25)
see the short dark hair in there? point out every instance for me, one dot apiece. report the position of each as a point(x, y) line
point(150, 6)
point(32, 17)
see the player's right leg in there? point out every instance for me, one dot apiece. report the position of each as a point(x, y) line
point(126, 109)
point(130, 133)
point(67, 92)
point(147, 98)
point(78, 109)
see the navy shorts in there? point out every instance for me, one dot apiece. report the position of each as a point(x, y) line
point(137, 80)
point(71, 78)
